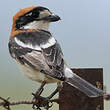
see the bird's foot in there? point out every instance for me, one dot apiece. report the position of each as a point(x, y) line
point(41, 102)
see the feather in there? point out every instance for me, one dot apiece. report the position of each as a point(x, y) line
point(82, 85)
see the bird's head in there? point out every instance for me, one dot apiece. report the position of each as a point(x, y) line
point(34, 18)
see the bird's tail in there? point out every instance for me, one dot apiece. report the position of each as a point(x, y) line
point(82, 85)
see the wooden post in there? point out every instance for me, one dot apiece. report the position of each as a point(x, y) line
point(73, 99)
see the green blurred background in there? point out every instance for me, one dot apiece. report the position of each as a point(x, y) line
point(84, 35)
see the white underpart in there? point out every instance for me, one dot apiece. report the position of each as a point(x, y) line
point(20, 43)
point(32, 74)
point(50, 43)
point(68, 72)
point(43, 25)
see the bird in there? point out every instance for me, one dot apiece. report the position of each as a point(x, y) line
point(39, 54)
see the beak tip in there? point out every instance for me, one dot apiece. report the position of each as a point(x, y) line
point(55, 18)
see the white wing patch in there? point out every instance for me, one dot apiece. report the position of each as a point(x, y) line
point(20, 43)
point(50, 43)
point(68, 72)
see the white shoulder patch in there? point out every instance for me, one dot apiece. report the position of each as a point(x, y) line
point(20, 43)
point(50, 43)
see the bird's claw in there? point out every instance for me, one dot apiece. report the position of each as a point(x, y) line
point(41, 102)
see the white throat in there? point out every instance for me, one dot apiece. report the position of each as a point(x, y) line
point(43, 25)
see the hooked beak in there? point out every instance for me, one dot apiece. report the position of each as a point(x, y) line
point(50, 18)
point(53, 18)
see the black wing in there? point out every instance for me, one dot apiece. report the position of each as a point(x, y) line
point(54, 59)
point(36, 50)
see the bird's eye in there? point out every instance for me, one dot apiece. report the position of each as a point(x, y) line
point(35, 13)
